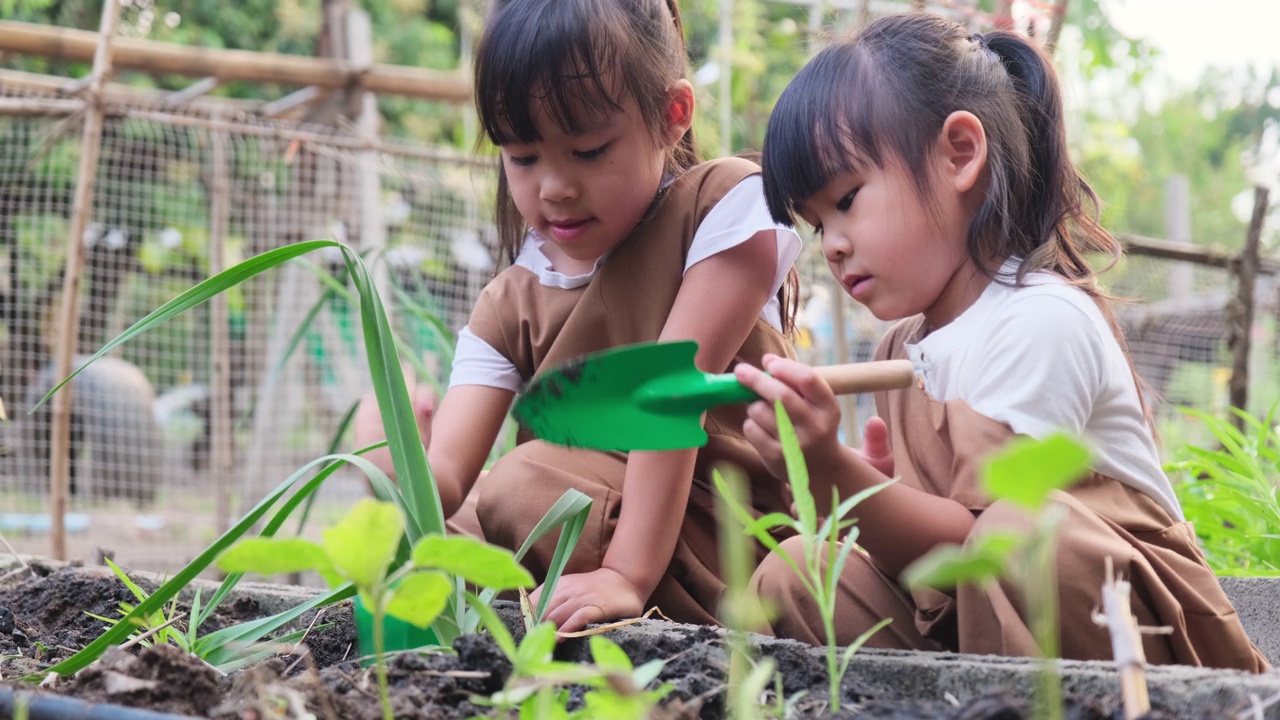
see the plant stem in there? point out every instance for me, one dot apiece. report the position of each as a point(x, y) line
point(380, 660)
point(1042, 606)
point(833, 655)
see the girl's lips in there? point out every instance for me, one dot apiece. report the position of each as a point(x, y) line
point(857, 284)
point(568, 229)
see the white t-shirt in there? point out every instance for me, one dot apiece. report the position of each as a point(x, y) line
point(739, 215)
point(1041, 358)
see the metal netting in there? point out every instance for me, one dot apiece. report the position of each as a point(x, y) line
point(168, 178)
point(141, 417)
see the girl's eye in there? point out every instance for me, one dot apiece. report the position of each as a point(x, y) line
point(593, 153)
point(846, 201)
point(523, 160)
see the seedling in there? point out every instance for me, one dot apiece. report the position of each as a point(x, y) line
point(617, 689)
point(826, 545)
point(361, 549)
point(740, 610)
point(1025, 473)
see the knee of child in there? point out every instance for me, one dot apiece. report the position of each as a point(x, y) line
point(1001, 516)
point(774, 577)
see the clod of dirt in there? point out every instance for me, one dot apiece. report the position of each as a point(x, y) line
point(160, 678)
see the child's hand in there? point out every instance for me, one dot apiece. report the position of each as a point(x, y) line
point(809, 403)
point(875, 446)
point(591, 597)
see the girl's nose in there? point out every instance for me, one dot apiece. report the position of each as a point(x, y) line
point(558, 187)
point(836, 246)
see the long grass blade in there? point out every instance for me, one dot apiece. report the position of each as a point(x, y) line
point(198, 294)
point(156, 600)
point(407, 454)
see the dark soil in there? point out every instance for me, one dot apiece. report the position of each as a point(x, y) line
point(43, 619)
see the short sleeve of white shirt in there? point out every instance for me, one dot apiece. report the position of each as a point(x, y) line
point(739, 215)
point(1042, 367)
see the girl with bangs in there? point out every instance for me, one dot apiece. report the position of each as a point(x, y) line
point(615, 234)
point(934, 164)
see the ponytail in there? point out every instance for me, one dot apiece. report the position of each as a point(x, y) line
point(1060, 211)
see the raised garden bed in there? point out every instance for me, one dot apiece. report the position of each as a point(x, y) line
point(44, 618)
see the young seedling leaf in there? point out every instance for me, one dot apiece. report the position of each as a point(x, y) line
point(482, 565)
point(797, 471)
point(1029, 469)
point(420, 598)
point(363, 543)
point(535, 649)
point(271, 556)
point(495, 626)
point(950, 565)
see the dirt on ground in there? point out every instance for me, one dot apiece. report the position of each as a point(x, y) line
point(45, 616)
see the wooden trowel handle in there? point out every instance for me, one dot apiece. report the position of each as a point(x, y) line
point(867, 376)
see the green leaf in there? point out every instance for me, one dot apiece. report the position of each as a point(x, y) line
point(481, 564)
point(363, 543)
point(535, 649)
point(1028, 469)
point(608, 656)
point(420, 598)
point(272, 556)
point(128, 582)
point(797, 471)
point(200, 293)
point(174, 585)
point(495, 626)
point(947, 566)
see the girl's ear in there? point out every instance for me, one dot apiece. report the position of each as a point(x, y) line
point(962, 146)
point(679, 112)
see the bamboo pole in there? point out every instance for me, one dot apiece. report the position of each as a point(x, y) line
point(247, 126)
point(220, 439)
point(1169, 250)
point(230, 65)
point(1240, 311)
point(69, 312)
point(117, 93)
point(840, 339)
point(1056, 21)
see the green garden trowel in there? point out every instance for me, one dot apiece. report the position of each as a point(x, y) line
point(651, 396)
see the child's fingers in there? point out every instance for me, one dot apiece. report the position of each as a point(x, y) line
point(799, 377)
point(767, 386)
point(875, 437)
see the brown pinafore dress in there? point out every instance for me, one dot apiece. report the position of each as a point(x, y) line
point(627, 301)
point(938, 448)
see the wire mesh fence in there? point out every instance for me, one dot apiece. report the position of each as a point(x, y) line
point(176, 186)
point(141, 472)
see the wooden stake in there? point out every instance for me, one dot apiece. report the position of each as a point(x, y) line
point(1240, 311)
point(1055, 25)
point(220, 438)
point(840, 339)
point(69, 312)
point(1126, 644)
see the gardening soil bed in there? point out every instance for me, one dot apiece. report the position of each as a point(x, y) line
point(44, 617)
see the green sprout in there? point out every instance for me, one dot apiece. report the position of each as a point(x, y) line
point(361, 550)
point(1024, 473)
point(535, 688)
point(827, 543)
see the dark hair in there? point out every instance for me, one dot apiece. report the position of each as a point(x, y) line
point(886, 94)
point(575, 57)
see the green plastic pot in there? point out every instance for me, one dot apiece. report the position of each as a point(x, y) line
point(397, 634)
